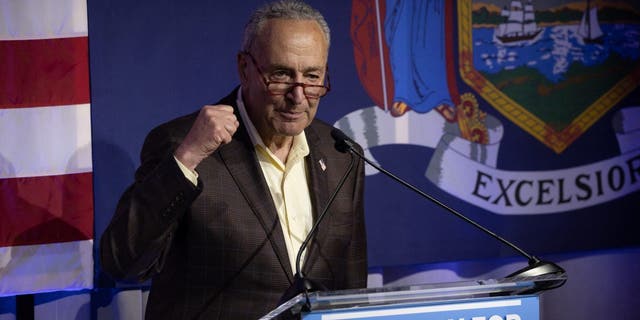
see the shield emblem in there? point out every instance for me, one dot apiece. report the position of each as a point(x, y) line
point(552, 69)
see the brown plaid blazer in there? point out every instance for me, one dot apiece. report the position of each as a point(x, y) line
point(216, 250)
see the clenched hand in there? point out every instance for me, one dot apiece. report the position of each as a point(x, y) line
point(214, 126)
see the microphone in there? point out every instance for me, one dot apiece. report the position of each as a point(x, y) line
point(535, 267)
point(301, 283)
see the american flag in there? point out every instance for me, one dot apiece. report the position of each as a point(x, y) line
point(46, 191)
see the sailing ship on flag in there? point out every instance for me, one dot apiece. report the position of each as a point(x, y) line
point(520, 25)
point(589, 29)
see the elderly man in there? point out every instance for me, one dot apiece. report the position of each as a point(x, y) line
point(224, 197)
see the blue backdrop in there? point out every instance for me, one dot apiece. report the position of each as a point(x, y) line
point(152, 61)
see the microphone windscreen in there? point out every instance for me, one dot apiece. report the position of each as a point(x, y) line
point(342, 141)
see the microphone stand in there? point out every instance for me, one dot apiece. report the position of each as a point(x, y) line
point(535, 267)
point(302, 284)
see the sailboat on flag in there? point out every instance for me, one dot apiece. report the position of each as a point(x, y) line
point(520, 25)
point(589, 29)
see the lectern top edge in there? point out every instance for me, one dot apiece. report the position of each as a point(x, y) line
point(420, 293)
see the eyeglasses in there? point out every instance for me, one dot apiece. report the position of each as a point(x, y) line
point(277, 88)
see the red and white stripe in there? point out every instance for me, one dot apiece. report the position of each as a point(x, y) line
point(46, 184)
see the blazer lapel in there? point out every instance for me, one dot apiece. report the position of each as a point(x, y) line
point(319, 189)
point(240, 159)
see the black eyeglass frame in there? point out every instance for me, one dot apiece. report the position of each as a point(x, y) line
point(292, 85)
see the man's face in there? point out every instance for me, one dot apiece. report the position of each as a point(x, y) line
point(289, 51)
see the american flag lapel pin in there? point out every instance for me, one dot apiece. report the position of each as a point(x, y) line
point(322, 165)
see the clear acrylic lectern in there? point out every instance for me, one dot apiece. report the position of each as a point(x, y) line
point(505, 299)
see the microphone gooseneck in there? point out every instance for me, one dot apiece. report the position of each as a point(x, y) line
point(535, 267)
point(301, 283)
